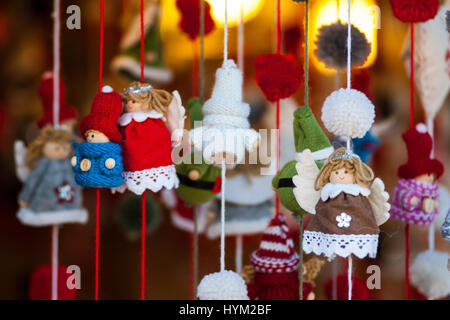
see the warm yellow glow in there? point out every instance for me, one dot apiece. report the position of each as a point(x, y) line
point(364, 15)
point(251, 9)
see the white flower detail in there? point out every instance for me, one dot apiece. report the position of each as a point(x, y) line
point(343, 220)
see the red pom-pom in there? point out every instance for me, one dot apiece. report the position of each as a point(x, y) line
point(190, 17)
point(41, 284)
point(414, 10)
point(359, 288)
point(278, 76)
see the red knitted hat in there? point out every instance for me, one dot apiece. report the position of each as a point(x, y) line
point(419, 144)
point(276, 252)
point(105, 111)
point(46, 92)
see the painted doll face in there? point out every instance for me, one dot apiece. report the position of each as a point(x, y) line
point(342, 176)
point(426, 177)
point(134, 106)
point(95, 136)
point(56, 151)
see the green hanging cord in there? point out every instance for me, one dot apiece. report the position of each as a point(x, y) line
point(306, 51)
point(202, 51)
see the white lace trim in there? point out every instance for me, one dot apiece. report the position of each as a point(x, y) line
point(343, 245)
point(126, 118)
point(153, 179)
point(332, 190)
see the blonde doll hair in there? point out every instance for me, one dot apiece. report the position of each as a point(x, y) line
point(153, 99)
point(48, 134)
point(338, 160)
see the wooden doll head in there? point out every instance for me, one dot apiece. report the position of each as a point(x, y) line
point(429, 177)
point(51, 143)
point(142, 97)
point(344, 165)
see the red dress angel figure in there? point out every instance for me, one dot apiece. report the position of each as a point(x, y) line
point(152, 117)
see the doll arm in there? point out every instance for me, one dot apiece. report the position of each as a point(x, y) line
point(411, 200)
point(32, 181)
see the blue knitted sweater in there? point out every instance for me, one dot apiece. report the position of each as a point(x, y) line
point(98, 175)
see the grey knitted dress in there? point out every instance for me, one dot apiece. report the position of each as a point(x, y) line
point(51, 194)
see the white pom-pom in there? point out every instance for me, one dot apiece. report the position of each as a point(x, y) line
point(430, 275)
point(422, 128)
point(348, 112)
point(224, 285)
point(107, 89)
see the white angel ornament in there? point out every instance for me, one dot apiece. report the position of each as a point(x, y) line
point(348, 205)
point(152, 125)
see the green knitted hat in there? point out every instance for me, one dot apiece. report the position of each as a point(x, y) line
point(309, 135)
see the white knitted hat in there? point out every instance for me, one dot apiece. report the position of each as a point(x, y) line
point(225, 107)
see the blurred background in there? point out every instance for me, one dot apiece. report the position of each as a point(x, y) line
point(26, 53)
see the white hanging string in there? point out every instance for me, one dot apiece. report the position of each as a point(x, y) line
point(241, 37)
point(239, 249)
point(225, 34)
point(56, 68)
point(349, 274)
point(349, 58)
point(431, 230)
point(222, 220)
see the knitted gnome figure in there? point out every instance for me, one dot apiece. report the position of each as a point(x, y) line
point(445, 229)
point(348, 209)
point(67, 114)
point(152, 117)
point(245, 215)
point(307, 135)
point(224, 285)
point(416, 198)
point(226, 132)
point(128, 62)
point(50, 195)
point(276, 265)
point(98, 162)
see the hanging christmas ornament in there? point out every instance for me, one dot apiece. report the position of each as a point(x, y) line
point(224, 285)
point(277, 75)
point(431, 63)
point(190, 17)
point(128, 216)
point(50, 195)
point(153, 113)
point(348, 210)
point(332, 46)
point(445, 229)
point(359, 288)
point(128, 62)
point(307, 135)
point(414, 10)
point(226, 130)
point(429, 273)
point(40, 284)
point(275, 264)
point(98, 162)
point(415, 199)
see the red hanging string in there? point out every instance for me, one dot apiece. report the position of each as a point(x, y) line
point(411, 124)
point(277, 199)
point(143, 203)
point(97, 239)
point(142, 41)
point(143, 224)
point(97, 205)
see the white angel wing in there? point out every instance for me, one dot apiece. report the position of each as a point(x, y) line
point(20, 153)
point(304, 192)
point(378, 200)
point(175, 119)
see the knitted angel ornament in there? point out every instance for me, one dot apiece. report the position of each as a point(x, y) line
point(225, 132)
point(415, 198)
point(50, 195)
point(98, 161)
point(347, 202)
point(153, 118)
